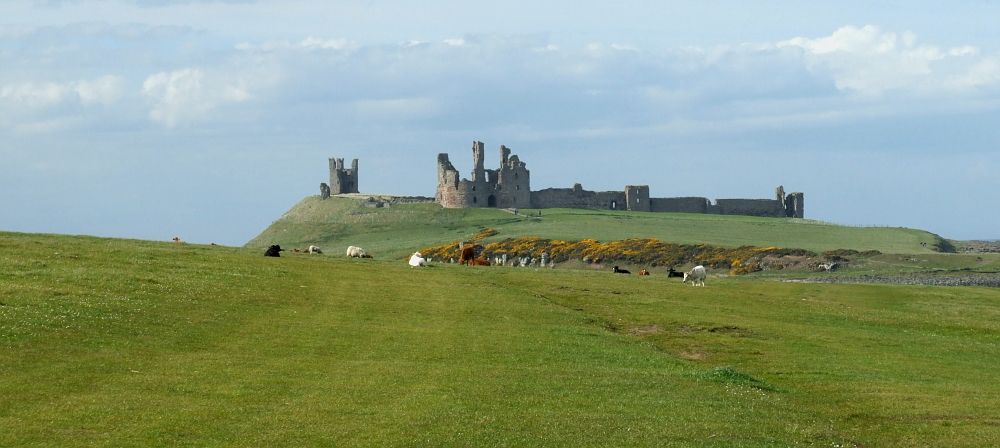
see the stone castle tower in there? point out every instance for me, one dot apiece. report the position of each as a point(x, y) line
point(343, 180)
point(506, 187)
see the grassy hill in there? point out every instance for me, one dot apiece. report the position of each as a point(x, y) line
point(336, 223)
point(107, 342)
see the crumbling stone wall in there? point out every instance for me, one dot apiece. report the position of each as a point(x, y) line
point(342, 180)
point(577, 197)
point(680, 205)
point(750, 207)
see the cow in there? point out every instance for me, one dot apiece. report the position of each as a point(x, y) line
point(177, 240)
point(620, 271)
point(273, 251)
point(674, 273)
point(417, 260)
point(468, 254)
point(367, 256)
point(355, 252)
point(696, 275)
point(643, 272)
point(479, 262)
point(295, 251)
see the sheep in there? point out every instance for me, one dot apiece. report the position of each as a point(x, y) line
point(417, 260)
point(313, 250)
point(273, 251)
point(355, 252)
point(620, 271)
point(696, 275)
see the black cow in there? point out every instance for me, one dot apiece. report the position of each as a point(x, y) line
point(620, 271)
point(273, 251)
point(674, 273)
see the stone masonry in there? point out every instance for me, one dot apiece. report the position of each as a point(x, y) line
point(509, 187)
point(342, 180)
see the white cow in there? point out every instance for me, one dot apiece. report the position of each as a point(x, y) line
point(696, 275)
point(355, 252)
point(417, 260)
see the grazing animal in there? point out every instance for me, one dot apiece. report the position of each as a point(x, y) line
point(177, 240)
point(367, 256)
point(355, 252)
point(417, 260)
point(295, 251)
point(620, 271)
point(696, 275)
point(273, 251)
point(643, 272)
point(479, 262)
point(674, 273)
point(468, 253)
point(313, 250)
point(213, 244)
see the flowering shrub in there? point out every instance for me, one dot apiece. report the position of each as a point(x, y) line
point(452, 251)
point(641, 251)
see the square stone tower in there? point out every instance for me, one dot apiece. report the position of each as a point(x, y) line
point(343, 180)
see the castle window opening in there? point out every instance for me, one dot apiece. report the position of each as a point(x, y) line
point(517, 187)
point(473, 188)
point(474, 200)
point(614, 205)
point(491, 201)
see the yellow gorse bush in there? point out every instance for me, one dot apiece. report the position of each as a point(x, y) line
point(640, 251)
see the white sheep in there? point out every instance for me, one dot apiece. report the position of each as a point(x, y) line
point(355, 252)
point(417, 260)
point(313, 250)
point(696, 275)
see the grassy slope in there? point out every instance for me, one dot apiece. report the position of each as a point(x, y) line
point(337, 223)
point(131, 343)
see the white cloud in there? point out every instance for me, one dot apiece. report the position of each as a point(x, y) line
point(870, 61)
point(30, 104)
point(189, 93)
point(104, 90)
point(35, 95)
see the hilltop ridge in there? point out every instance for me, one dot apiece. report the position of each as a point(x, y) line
point(397, 229)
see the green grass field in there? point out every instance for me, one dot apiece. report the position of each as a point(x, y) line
point(110, 342)
point(336, 223)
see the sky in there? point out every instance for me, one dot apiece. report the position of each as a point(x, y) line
point(208, 119)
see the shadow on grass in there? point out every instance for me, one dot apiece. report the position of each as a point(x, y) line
point(728, 374)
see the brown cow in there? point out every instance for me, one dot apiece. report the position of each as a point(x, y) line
point(643, 272)
point(468, 254)
point(479, 262)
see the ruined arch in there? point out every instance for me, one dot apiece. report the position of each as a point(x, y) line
point(491, 201)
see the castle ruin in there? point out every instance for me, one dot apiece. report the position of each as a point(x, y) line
point(343, 180)
point(509, 187)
